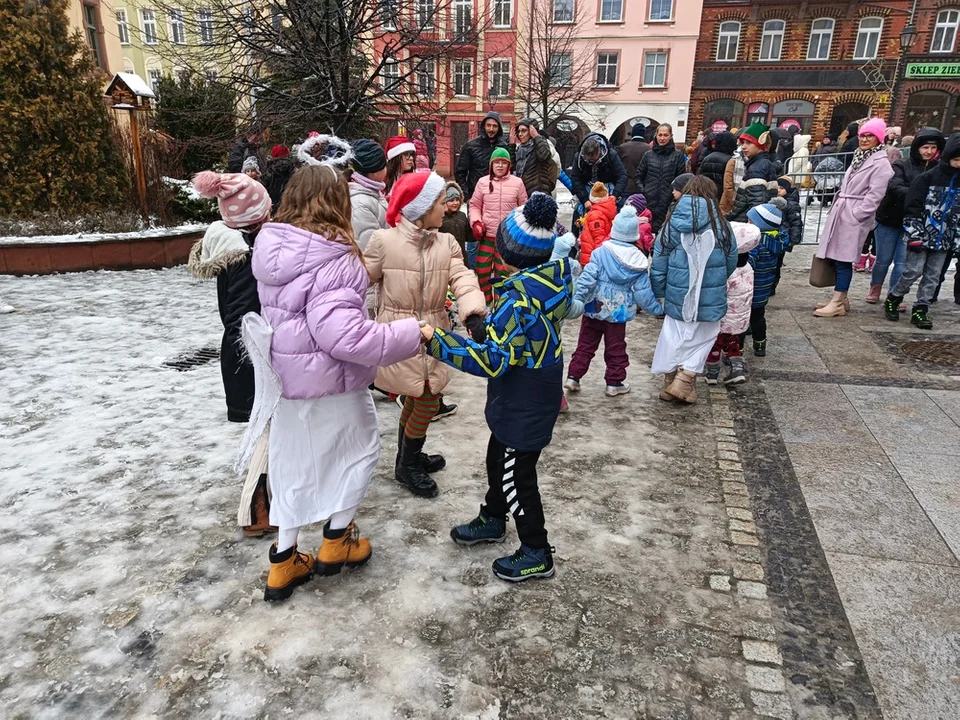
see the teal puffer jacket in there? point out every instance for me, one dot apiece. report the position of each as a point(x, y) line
point(670, 272)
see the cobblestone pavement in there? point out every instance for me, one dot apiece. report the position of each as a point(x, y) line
point(699, 575)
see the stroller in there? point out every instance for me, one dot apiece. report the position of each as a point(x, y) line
point(828, 176)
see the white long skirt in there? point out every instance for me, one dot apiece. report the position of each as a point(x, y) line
point(683, 345)
point(323, 453)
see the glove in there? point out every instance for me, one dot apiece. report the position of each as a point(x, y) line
point(478, 230)
point(477, 327)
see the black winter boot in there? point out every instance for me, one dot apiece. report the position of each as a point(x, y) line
point(430, 463)
point(920, 318)
point(891, 307)
point(410, 471)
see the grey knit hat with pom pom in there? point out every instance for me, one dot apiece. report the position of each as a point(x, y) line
point(526, 236)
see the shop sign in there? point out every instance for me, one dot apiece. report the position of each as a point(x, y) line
point(933, 70)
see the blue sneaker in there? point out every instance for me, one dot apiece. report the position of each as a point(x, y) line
point(525, 563)
point(483, 528)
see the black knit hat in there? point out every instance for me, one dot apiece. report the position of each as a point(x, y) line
point(526, 236)
point(368, 157)
point(680, 181)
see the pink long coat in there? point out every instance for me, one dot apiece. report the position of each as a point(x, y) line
point(852, 214)
point(740, 284)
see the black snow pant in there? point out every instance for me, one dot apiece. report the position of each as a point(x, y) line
point(512, 479)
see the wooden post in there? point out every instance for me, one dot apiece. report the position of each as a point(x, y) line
point(138, 164)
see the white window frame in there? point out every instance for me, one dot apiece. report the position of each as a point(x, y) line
point(425, 11)
point(946, 26)
point(389, 13)
point(775, 36)
point(872, 34)
point(494, 74)
point(154, 75)
point(728, 35)
point(654, 66)
point(497, 9)
point(123, 27)
point(205, 26)
point(604, 65)
point(568, 6)
point(560, 65)
point(651, 18)
point(427, 71)
point(817, 34)
point(390, 81)
point(462, 17)
point(212, 75)
point(177, 26)
point(462, 68)
point(148, 26)
point(611, 8)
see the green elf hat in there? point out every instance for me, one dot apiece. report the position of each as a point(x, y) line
point(757, 133)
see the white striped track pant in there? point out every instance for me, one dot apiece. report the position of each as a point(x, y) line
point(512, 478)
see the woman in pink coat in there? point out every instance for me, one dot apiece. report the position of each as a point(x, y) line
point(318, 353)
point(853, 213)
point(495, 197)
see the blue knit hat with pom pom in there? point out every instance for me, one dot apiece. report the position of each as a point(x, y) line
point(526, 236)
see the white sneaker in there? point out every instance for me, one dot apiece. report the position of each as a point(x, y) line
point(614, 390)
point(572, 384)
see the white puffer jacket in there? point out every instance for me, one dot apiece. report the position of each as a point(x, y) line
point(740, 284)
point(369, 213)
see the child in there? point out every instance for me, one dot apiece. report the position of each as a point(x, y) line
point(367, 200)
point(565, 247)
point(521, 354)
point(759, 182)
point(931, 223)
point(495, 197)
point(792, 222)
point(401, 158)
point(645, 218)
point(413, 264)
point(322, 351)
point(224, 253)
point(456, 223)
point(251, 168)
point(598, 221)
point(611, 287)
point(737, 320)
point(764, 257)
point(692, 259)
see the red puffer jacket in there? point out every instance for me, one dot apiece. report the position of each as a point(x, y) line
point(597, 225)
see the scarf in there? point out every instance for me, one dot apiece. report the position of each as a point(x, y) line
point(523, 152)
point(698, 248)
point(365, 182)
point(860, 156)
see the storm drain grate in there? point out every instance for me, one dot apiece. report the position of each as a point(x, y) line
point(192, 360)
point(937, 352)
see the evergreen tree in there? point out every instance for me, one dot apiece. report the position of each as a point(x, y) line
point(56, 151)
point(200, 116)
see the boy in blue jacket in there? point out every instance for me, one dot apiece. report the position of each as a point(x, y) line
point(519, 351)
point(612, 286)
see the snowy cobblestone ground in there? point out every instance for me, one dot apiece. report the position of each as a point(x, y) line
point(127, 590)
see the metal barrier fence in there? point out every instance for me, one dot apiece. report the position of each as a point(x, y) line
point(818, 186)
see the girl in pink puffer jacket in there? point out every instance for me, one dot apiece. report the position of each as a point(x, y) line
point(737, 319)
point(321, 353)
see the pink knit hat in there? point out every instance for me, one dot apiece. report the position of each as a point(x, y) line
point(874, 126)
point(242, 200)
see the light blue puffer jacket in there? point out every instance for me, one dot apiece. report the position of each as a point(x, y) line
point(616, 278)
point(669, 270)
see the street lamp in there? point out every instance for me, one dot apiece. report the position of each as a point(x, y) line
point(492, 96)
point(908, 36)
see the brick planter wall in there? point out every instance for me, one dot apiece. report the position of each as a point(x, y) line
point(46, 258)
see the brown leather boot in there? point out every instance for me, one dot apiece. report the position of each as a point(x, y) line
point(668, 379)
point(287, 570)
point(349, 549)
point(259, 512)
point(683, 387)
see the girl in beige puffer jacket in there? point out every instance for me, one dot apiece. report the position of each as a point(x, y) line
point(413, 264)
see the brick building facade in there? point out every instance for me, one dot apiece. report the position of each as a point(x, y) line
point(822, 65)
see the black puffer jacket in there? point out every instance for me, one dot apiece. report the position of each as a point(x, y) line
point(905, 171)
point(608, 169)
point(539, 172)
point(658, 169)
point(277, 176)
point(714, 165)
point(241, 150)
point(474, 160)
point(793, 218)
point(931, 216)
point(758, 186)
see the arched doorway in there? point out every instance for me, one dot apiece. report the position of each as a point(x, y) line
point(846, 113)
point(927, 108)
point(724, 110)
point(569, 132)
point(625, 130)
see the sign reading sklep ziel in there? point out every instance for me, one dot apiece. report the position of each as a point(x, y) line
point(937, 70)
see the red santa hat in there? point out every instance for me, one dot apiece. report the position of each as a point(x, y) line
point(398, 145)
point(413, 195)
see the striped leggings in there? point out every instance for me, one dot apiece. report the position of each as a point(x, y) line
point(512, 480)
point(489, 267)
point(417, 414)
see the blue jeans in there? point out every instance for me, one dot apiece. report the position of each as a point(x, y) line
point(844, 276)
point(472, 254)
point(891, 248)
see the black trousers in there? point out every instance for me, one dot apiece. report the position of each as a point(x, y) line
point(512, 479)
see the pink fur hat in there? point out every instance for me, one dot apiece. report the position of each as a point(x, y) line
point(242, 200)
point(874, 126)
